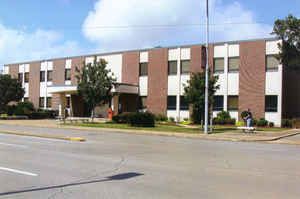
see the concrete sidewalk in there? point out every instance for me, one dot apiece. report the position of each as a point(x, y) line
point(263, 136)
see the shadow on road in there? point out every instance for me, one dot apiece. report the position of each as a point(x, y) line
point(122, 176)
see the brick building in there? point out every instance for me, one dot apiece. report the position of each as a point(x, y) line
point(249, 77)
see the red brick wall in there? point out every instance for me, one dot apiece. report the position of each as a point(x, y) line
point(196, 59)
point(58, 79)
point(34, 83)
point(79, 63)
point(252, 77)
point(130, 67)
point(158, 81)
point(14, 70)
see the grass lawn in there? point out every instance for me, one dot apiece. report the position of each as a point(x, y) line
point(162, 128)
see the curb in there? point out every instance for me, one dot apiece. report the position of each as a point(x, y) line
point(74, 139)
point(271, 139)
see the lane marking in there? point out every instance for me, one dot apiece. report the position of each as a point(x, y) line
point(18, 171)
point(13, 145)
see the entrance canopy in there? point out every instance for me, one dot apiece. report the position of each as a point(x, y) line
point(72, 89)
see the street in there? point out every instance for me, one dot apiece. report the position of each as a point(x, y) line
point(115, 165)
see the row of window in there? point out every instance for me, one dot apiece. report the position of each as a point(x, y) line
point(43, 76)
point(171, 103)
point(271, 102)
point(172, 68)
point(49, 102)
point(234, 64)
point(26, 77)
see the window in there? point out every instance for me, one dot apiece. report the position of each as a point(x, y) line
point(68, 103)
point(20, 77)
point(26, 77)
point(42, 102)
point(184, 105)
point(42, 76)
point(26, 99)
point(49, 102)
point(68, 74)
point(233, 64)
point(49, 75)
point(142, 102)
point(172, 68)
point(144, 69)
point(233, 103)
point(218, 103)
point(185, 66)
point(271, 103)
point(271, 63)
point(219, 65)
point(171, 103)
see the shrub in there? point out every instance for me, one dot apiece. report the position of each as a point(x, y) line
point(185, 119)
point(141, 119)
point(122, 118)
point(262, 122)
point(271, 124)
point(244, 114)
point(253, 122)
point(223, 115)
point(286, 123)
point(171, 119)
point(161, 117)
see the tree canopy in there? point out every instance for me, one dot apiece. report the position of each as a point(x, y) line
point(10, 90)
point(288, 30)
point(95, 82)
point(195, 94)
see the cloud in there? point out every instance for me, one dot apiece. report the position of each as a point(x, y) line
point(100, 24)
point(22, 45)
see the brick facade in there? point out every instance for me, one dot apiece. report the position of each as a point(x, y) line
point(130, 67)
point(14, 70)
point(58, 79)
point(252, 77)
point(79, 63)
point(34, 83)
point(158, 81)
point(197, 59)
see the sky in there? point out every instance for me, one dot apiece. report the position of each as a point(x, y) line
point(34, 30)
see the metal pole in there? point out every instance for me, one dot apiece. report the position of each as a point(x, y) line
point(206, 73)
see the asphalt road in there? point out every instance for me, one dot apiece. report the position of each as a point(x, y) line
point(113, 165)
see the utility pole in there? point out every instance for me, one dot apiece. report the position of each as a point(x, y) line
point(206, 72)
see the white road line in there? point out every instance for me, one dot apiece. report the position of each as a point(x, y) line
point(13, 145)
point(18, 171)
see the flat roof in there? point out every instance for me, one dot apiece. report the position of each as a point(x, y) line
point(145, 49)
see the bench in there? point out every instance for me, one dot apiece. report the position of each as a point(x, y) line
point(245, 128)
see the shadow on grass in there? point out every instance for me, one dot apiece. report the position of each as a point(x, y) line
point(123, 176)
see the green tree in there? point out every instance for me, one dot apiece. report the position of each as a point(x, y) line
point(195, 94)
point(10, 90)
point(95, 82)
point(288, 30)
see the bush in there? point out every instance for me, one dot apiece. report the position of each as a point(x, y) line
point(244, 114)
point(286, 123)
point(253, 122)
point(223, 115)
point(185, 119)
point(161, 117)
point(122, 118)
point(262, 122)
point(271, 124)
point(171, 119)
point(141, 119)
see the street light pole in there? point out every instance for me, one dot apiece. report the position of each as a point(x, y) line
point(206, 73)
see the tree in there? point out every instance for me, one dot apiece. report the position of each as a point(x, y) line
point(195, 94)
point(10, 90)
point(288, 30)
point(95, 82)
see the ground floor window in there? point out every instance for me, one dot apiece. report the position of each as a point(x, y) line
point(42, 102)
point(233, 103)
point(68, 102)
point(142, 102)
point(171, 103)
point(271, 103)
point(218, 103)
point(184, 105)
point(49, 102)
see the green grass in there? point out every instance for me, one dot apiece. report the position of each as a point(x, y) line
point(161, 128)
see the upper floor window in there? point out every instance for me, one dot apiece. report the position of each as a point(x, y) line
point(67, 74)
point(271, 103)
point(218, 103)
point(233, 64)
point(49, 75)
point(20, 77)
point(42, 76)
point(185, 66)
point(143, 69)
point(219, 65)
point(26, 79)
point(233, 103)
point(271, 63)
point(172, 67)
